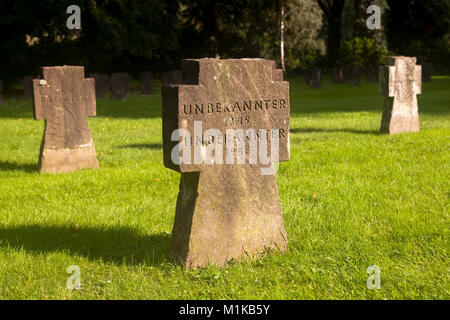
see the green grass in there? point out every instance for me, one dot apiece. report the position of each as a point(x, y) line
point(351, 198)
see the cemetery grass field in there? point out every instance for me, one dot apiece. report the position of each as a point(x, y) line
point(351, 198)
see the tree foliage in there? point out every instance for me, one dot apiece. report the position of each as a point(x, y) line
point(304, 46)
point(332, 10)
point(133, 35)
point(362, 52)
point(420, 28)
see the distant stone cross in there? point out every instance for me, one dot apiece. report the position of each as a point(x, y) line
point(65, 100)
point(227, 207)
point(400, 81)
point(120, 85)
point(146, 79)
point(1, 90)
point(102, 85)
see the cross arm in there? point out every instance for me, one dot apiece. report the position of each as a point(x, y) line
point(387, 80)
point(40, 92)
point(89, 90)
point(418, 79)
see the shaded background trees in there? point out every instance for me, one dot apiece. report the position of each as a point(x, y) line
point(420, 28)
point(115, 35)
point(332, 10)
point(132, 35)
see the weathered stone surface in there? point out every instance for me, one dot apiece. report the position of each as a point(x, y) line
point(27, 83)
point(226, 211)
point(354, 76)
point(278, 75)
point(171, 77)
point(400, 82)
point(372, 74)
point(146, 79)
point(102, 85)
point(65, 99)
point(314, 77)
point(427, 69)
point(120, 85)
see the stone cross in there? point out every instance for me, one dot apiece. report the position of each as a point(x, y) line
point(228, 207)
point(120, 85)
point(1, 90)
point(146, 79)
point(400, 82)
point(427, 69)
point(277, 75)
point(313, 77)
point(354, 75)
point(64, 99)
point(337, 75)
point(372, 74)
point(27, 83)
point(102, 85)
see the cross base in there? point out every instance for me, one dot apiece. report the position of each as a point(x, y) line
point(66, 160)
point(398, 122)
point(226, 212)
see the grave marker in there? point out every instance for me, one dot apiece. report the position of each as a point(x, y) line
point(228, 205)
point(315, 74)
point(65, 99)
point(146, 79)
point(1, 92)
point(277, 75)
point(372, 74)
point(400, 82)
point(427, 69)
point(308, 76)
point(27, 83)
point(102, 85)
point(354, 75)
point(120, 85)
point(337, 75)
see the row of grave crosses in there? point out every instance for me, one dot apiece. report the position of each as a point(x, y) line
point(64, 98)
point(226, 211)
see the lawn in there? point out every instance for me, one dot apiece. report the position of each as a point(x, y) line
point(351, 198)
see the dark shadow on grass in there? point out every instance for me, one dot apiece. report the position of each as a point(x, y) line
point(112, 245)
point(142, 146)
point(14, 166)
point(310, 130)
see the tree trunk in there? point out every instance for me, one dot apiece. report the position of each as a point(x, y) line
point(334, 40)
point(332, 10)
point(211, 29)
